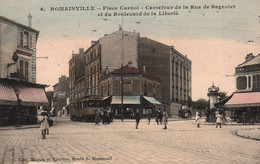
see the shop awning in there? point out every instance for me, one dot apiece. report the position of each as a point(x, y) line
point(152, 100)
point(29, 94)
point(248, 99)
point(33, 96)
point(126, 100)
point(7, 95)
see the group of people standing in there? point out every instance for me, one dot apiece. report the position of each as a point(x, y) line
point(160, 117)
point(106, 116)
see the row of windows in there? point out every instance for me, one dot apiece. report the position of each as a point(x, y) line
point(133, 87)
point(245, 83)
point(93, 54)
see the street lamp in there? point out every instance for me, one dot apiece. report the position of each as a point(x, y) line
point(122, 71)
point(18, 116)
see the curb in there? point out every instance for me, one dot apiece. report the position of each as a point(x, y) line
point(246, 137)
point(22, 127)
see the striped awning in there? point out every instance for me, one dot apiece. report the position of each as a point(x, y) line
point(246, 99)
point(7, 95)
point(30, 95)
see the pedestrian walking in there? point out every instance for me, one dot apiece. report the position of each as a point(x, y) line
point(43, 119)
point(197, 118)
point(219, 119)
point(97, 118)
point(105, 117)
point(160, 116)
point(137, 118)
point(50, 122)
point(165, 119)
point(157, 116)
point(149, 116)
point(244, 117)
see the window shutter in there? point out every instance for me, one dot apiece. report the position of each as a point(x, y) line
point(30, 41)
point(21, 38)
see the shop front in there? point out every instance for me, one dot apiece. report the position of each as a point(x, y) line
point(19, 102)
point(244, 105)
point(150, 104)
point(130, 104)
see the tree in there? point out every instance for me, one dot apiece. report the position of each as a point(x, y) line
point(189, 102)
point(222, 95)
point(201, 104)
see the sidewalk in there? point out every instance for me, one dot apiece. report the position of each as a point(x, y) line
point(249, 133)
point(2, 128)
point(20, 127)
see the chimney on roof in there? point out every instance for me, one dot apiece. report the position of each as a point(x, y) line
point(29, 20)
point(81, 50)
point(249, 56)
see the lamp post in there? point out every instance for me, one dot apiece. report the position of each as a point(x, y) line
point(18, 114)
point(122, 71)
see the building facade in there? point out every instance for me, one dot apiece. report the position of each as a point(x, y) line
point(138, 88)
point(245, 101)
point(60, 95)
point(20, 96)
point(18, 41)
point(121, 47)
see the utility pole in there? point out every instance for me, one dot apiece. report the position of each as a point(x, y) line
point(122, 72)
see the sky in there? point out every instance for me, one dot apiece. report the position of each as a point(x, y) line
point(216, 40)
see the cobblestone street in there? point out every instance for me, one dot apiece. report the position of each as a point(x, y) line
point(120, 142)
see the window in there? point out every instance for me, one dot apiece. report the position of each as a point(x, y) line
point(30, 41)
point(150, 88)
point(117, 87)
point(21, 39)
point(106, 88)
point(26, 72)
point(145, 88)
point(25, 39)
point(21, 66)
point(135, 86)
point(241, 82)
point(256, 81)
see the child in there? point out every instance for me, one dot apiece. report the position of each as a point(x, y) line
point(219, 120)
point(165, 119)
point(43, 119)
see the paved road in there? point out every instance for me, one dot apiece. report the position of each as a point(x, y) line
point(120, 142)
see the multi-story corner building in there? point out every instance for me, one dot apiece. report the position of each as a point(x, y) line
point(246, 98)
point(93, 69)
point(18, 42)
point(77, 75)
point(173, 68)
point(140, 90)
point(117, 49)
point(60, 95)
point(20, 96)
